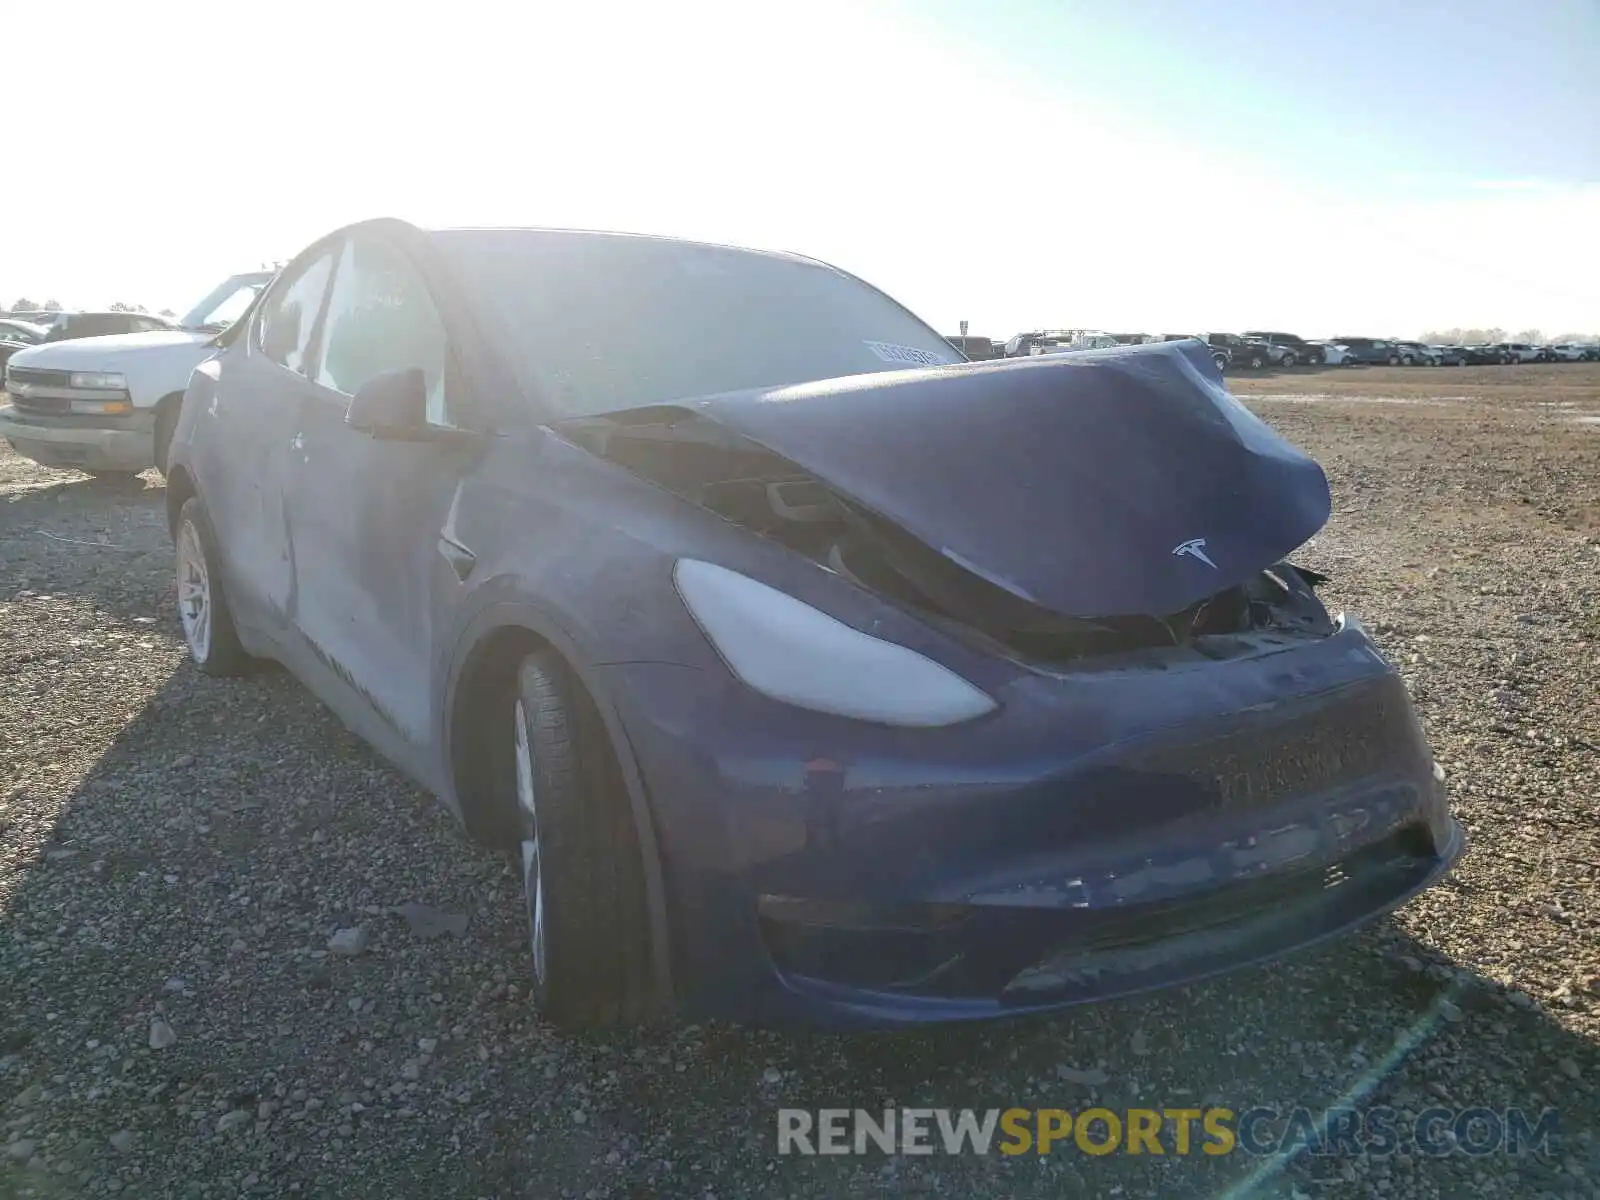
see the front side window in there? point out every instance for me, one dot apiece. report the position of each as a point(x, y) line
point(283, 330)
point(381, 317)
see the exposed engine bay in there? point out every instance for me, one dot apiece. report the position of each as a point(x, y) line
point(763, 492)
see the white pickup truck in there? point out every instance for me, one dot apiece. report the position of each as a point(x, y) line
point(107, 405)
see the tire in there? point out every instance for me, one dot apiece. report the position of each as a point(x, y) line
point(203, 611)
point(1289, 360)
point(1222, 362)
point(1394, 360)
point(583, 880)
point(166, 423)
point(1257, 362)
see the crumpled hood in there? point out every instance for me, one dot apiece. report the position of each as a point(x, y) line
point(98, 353)
point(1108, 483)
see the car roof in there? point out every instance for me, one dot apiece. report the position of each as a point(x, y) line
point(446, 235)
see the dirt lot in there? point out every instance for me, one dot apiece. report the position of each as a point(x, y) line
point(175, 852)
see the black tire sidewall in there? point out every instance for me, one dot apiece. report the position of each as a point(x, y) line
point(595, 922)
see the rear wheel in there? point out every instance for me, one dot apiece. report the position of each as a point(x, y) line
point(1289, 359)
point(1257, 362)
point(203, 610)
point(583, 880)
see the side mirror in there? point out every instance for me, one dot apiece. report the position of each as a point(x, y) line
point(392, 405)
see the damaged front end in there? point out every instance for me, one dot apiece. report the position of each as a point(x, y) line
point(705, 454)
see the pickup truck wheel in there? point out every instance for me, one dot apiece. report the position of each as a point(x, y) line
point(1394, 360)
point(202, 605)
point(1257, 362)
point(166, 422)
point(1289, 360)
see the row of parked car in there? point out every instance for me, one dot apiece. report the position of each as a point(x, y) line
point(1257, 350)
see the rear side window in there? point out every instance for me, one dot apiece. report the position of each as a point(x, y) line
point(284, 328)
point(381, 317)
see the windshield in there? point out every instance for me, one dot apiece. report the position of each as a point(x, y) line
point(604, 322)
point(226, 302)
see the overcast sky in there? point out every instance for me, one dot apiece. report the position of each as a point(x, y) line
point(1365, 167)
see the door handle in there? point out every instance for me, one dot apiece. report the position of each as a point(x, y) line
point(461, 559)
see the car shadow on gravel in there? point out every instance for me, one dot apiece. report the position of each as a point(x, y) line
point(173, 1021)
point(196, 873)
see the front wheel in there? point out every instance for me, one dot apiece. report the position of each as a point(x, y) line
point(1257, 362)
point(582, 874)
point(1394, 360)
point(203, 610)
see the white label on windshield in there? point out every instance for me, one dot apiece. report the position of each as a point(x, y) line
point(908, 356)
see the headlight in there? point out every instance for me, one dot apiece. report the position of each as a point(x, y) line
point(99, 379)
point(788, 650)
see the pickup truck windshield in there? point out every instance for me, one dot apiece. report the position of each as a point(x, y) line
point(602, 322)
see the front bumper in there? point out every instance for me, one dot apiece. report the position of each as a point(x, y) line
point(84, 443)
point(1105, 833)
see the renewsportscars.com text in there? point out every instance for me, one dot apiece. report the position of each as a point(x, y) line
point(1378, 1130)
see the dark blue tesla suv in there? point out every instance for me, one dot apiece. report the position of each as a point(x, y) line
point(812, 673)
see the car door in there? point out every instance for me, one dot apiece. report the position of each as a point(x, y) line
point(366, 513)
point(249, 425)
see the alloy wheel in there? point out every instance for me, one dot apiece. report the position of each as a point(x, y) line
point(194, 592)
point(532, 876)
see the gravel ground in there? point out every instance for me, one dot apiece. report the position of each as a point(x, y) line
point(177, 852)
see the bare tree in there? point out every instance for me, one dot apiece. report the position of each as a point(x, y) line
point(1532, 336)
point(52, 306)
point(23, 304)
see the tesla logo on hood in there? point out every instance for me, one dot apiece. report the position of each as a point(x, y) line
point(1194, 548)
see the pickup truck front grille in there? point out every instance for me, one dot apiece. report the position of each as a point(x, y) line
point(49, 379)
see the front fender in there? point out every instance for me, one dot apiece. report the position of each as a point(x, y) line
point(501, 604)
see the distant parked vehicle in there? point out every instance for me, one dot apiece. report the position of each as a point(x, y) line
point(1569, 352)
point(12, 330)
point(1057, 341)
point(17, 335)
point(1517, 352)
point(1242, 355)
point(1220, 355)
point(976, 348)
point(1453, 356)
point(1134, 339)
point(1371, 351)
point(71, 326)
point(45, 317)
point(1418, 354)
point(1335, 355)
point(1296, 349)
point(1066, 341)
